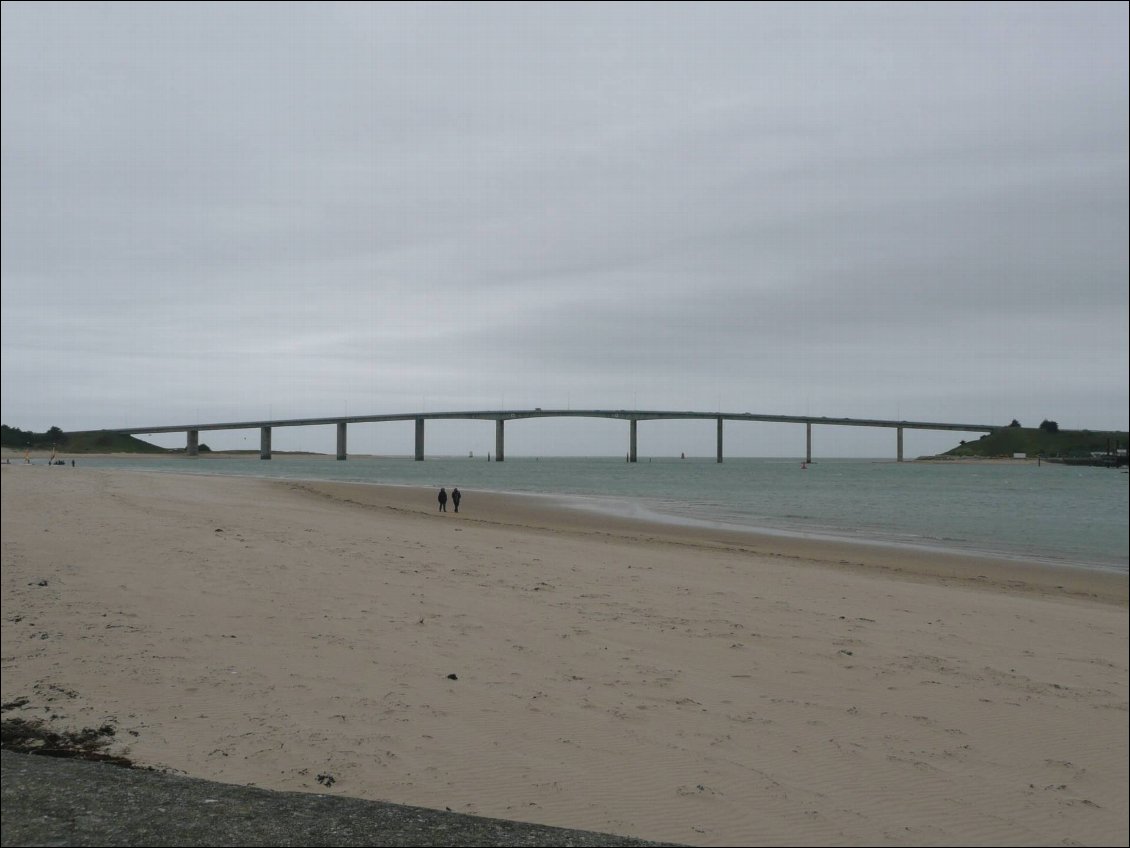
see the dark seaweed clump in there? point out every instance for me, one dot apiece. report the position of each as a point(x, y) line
point(34, 737)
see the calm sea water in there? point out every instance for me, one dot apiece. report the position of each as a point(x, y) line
point(1053, 513)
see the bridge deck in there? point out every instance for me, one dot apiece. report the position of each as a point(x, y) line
point(511, 415)
point(632, 416)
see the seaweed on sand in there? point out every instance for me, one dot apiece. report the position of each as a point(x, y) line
point(34, 737)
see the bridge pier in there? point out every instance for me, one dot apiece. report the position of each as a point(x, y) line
point(719, 439)
point(632, 440)
point(265, 443)
point(341, 440)
point(419, 439)
point(808, 443)
point(193, 446)
point(499, 441)
point(900, 444)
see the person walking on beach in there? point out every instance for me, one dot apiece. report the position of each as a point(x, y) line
point(455, 496)
point(442, 499)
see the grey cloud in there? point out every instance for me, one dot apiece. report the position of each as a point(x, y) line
point(460, 203)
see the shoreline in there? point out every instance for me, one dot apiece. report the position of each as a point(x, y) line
point(822, 545)
point(539, 512)
point(43, 453)
point(828, 538)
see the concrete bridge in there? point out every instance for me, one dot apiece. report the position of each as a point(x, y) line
point(500, 417)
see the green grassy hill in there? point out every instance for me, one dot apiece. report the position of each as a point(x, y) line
point(94, 441)
point(1036, 442)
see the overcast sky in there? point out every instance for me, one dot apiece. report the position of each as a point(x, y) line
point(895, 210)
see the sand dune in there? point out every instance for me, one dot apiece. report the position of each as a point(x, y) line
point(522, 661)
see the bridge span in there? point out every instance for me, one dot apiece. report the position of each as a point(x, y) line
point(500, 417)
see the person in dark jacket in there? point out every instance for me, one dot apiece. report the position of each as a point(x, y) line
point(442, 500)
point(455, 498)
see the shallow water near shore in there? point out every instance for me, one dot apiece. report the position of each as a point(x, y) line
point(1072, 516)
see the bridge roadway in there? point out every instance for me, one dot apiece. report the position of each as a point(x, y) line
point(502, 416)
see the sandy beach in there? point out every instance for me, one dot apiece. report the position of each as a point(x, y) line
point(523, 661)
